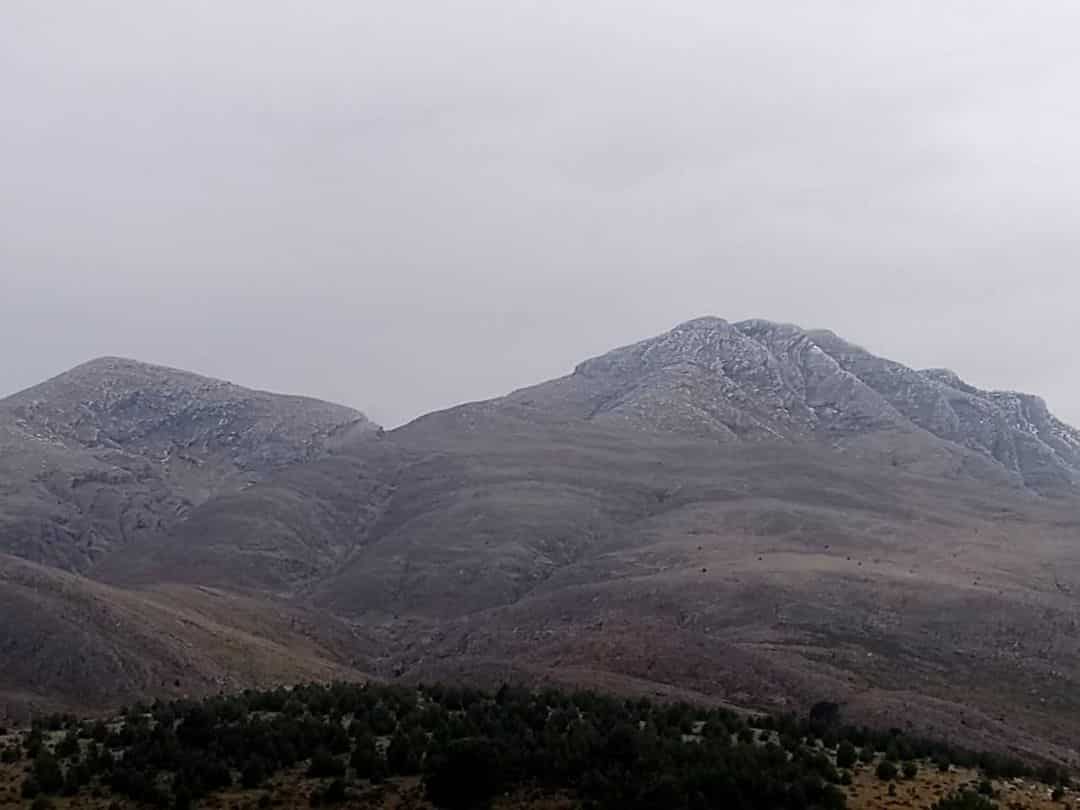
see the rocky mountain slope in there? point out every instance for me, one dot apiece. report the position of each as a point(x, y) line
point(760, 381)
point(115, 449)
point(750, 511)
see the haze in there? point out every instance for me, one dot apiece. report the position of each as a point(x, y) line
point(401, 206)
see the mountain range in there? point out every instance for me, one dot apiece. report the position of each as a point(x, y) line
point(743, 512)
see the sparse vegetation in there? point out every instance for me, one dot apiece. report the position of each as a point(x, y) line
point(466, 747)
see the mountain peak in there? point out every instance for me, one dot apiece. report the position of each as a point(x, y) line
point(151, 441)
point(761, 380)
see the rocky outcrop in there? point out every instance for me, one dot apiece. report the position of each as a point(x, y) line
point(114, 449)
point(762, 381)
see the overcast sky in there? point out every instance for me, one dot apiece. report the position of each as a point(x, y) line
point(403, 205)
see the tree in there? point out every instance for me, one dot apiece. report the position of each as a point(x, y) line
point(254, 773)
point(366, 760)
point(404, 754)
point(325, 766)
point(846, 755)
point(886, 770)
point(47, 773)
point(335, 793)
point(823, 716)
point(68, 747)
point(464, 777)
point(30, 788)
point(911, 769)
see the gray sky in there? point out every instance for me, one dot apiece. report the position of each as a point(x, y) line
point(403, 205)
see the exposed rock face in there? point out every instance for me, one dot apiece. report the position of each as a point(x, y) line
point(116, 448)
point(762, 381)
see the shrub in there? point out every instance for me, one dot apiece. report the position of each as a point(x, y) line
point(47, 773)
point(325, 766)
point(30, 788)
point(335, 792)
point(464, 777)
point(964, 800)
point(366, 760)
point(846, 755)
point(911, 769)
point(886, 770)
point(254, 773)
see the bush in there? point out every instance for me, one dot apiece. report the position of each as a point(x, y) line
point(911, 769)
point(47, 773)
point(886, 770)
point(464, 777)
point(964, 800)
point(335, 792)
point(325, 766)
point(404, 754)
point(846, 755)
point(68, 746)
point(254, 773)
point(366, 760)
point(30, 788)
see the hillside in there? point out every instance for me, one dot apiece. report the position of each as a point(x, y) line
point(759, 381)
point(749, 512)
point(115, 449)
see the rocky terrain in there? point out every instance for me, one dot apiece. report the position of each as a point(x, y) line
point(759, 381)
point(751, 512)
point(115, 449)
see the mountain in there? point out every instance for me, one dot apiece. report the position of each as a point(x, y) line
point(753, 512)
point(759, 381)
point(116, 449)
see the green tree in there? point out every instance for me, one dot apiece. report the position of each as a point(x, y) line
point(404, 754)
point(886, 770)
point(464, 777)
point(366, 760)
point(47, 772)
point(846, 755)
point(325, 766)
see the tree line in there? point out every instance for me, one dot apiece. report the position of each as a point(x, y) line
point(469, 746)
